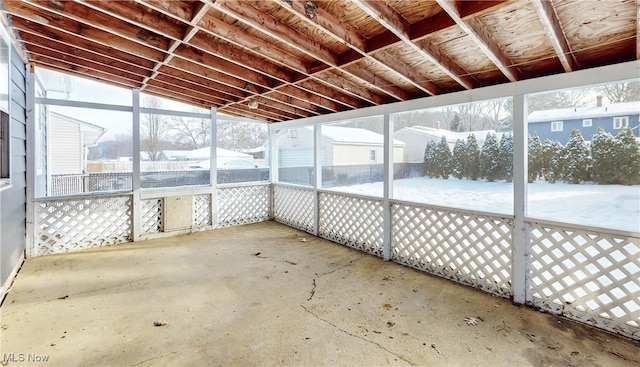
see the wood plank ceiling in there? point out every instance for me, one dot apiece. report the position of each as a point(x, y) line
point(298, 58)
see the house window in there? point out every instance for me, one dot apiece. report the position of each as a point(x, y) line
point(587, 123)
point(620, 122)
point(556, 126)
point(372, 155)
point(4, 146)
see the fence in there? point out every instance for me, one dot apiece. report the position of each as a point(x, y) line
point(71, 184)
point(584, 273)
point(587, 274)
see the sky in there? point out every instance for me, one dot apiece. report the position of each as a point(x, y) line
point(64, 86)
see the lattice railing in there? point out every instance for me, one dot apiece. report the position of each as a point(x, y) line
point(293, 206)
point(201, 210)
point(588, 275)
point(68, 224)
point(243, 205)
point(152, 215)
point(470, 248)
point(352, 221)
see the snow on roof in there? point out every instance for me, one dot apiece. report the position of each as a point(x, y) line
point(576, 113)
point(353, 135)
point(450, 136)
point(203, 153)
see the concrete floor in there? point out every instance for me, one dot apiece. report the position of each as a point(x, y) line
point(266, 294)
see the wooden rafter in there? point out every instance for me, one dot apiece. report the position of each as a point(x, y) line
point(556, 36)
point(482, 38)
point(394, 22)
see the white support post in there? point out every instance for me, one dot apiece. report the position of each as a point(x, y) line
point(273, 165)
point(520, 238)
point(317, 176)
point(31, 120)
point(213, 167)
point(387, 187)
point(136, 210)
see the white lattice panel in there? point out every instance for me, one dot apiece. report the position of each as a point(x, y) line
point(352, 221)
point(472, 249)
point(73, 224)
point(293, 206)
point(152, 215)
point(201, 210)
point(587, 275)
point(243, 205)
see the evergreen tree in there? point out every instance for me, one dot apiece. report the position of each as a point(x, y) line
point(472, 162)
point(490, 158)
point(535, 159)
point(576, 159)
point(627, 158)
point(429, 159)
point(443, 159)
point(458, 163)
point(552, 152)
point(603, 155)
point(506, 157)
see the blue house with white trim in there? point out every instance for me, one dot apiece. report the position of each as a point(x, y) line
point(557, 124)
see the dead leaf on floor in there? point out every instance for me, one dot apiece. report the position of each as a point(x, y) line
point(291, 262)
point(303, 240)
point(257, 254)
point(390, 324)
point(159, 323)
point(387, 306)
point(471, 321)
point(64, 297)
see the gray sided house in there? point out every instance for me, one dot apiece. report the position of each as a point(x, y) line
point(557, 124)
point(13, 152)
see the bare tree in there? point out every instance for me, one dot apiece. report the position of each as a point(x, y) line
point(622, 92)
point(191, 132)
point(241, 135)
point(494, 112)
point(153, 129)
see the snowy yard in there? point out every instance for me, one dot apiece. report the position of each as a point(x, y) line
point(608, 206)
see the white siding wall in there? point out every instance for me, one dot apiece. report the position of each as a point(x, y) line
point(65, 146)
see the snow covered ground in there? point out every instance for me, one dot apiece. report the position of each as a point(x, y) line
point(609, 206)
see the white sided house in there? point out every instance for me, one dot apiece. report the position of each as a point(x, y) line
point(69, 141)
point(341, 146)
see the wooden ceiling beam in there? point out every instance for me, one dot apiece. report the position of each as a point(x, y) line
point(44, 52)
point(248, 61)
point(293, 101)
point(321, 19)
point(199, 89)
point(180, 10)
point(318, 100)
point(481, 37)
point(32, 39)
point(229, 33)
point(267, 24)
point(394, 22)
point(246, 112)
point(409, 72)
point(330, 93)
point(104, 22)
point(225, 67)
point(220, 91)
point(272, 27)
point(130, 13)
point(331, 79)
point(73, 27)
point(551, 25)
point(66, 67)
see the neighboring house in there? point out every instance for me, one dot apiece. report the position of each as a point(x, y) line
point(341, 146)
point(557, 124)
point(69, 140)
point(417, 137)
